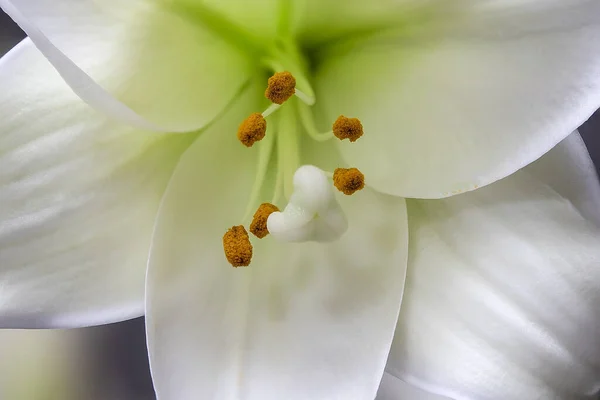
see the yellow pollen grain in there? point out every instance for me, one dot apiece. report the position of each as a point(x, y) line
point(281, 86)
point(259, 222)
point(237, 246)
point(348, 180)
point(252, 129)
point(347, 128)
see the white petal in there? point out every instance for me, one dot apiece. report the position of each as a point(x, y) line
point(454, 107)
point(138, 62)
point(323, 21)
point(569, 170)
point(392, 388)
point(502, 296)
point(303, 321)
point(79, 196)
point(260, 17)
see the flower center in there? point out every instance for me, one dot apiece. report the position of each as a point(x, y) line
point(312, 212)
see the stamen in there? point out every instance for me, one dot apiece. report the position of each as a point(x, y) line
point(281, 86)
point(285, 56)
point(347, 128)
point(271, 109)
point(348, 180)
point(237, 246)
point(259, 222)
point(309, 125)
point(252, 129)
point(306, 99)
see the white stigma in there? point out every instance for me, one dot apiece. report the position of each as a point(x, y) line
point(312, 214)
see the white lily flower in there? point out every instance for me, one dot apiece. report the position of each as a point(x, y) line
point(452, 97)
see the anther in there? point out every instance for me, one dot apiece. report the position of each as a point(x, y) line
point(347, 128)
point(259, 222)
point(252, 129)
point(348, 180)
point(281, 86)
point(237, 246)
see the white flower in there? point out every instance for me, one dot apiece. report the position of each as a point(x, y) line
point(452, 97)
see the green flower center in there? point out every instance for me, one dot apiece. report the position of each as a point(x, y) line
point(278, 127)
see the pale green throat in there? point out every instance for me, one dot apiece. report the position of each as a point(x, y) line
point(308, 190)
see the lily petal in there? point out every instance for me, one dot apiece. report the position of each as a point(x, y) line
point(138, 62)
point(453, 108)
point(569, 170)
point(502, 298)
point(79, 196)
point(322, 22)
point(392, 388)
point(294, 321)
point(260, 17)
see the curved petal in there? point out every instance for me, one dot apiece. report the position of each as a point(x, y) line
point(292, 323)
point(569, 170)
point(139, 62)
point(260, 17)
point(502, 296)
point(458, 106)
point(311, 22)
point(79, 196)
point(321, 22)
point(392, 388)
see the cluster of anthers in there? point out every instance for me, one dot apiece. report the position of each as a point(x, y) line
point(281, 86)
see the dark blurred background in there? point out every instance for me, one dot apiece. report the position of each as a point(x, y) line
point(111, 361)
